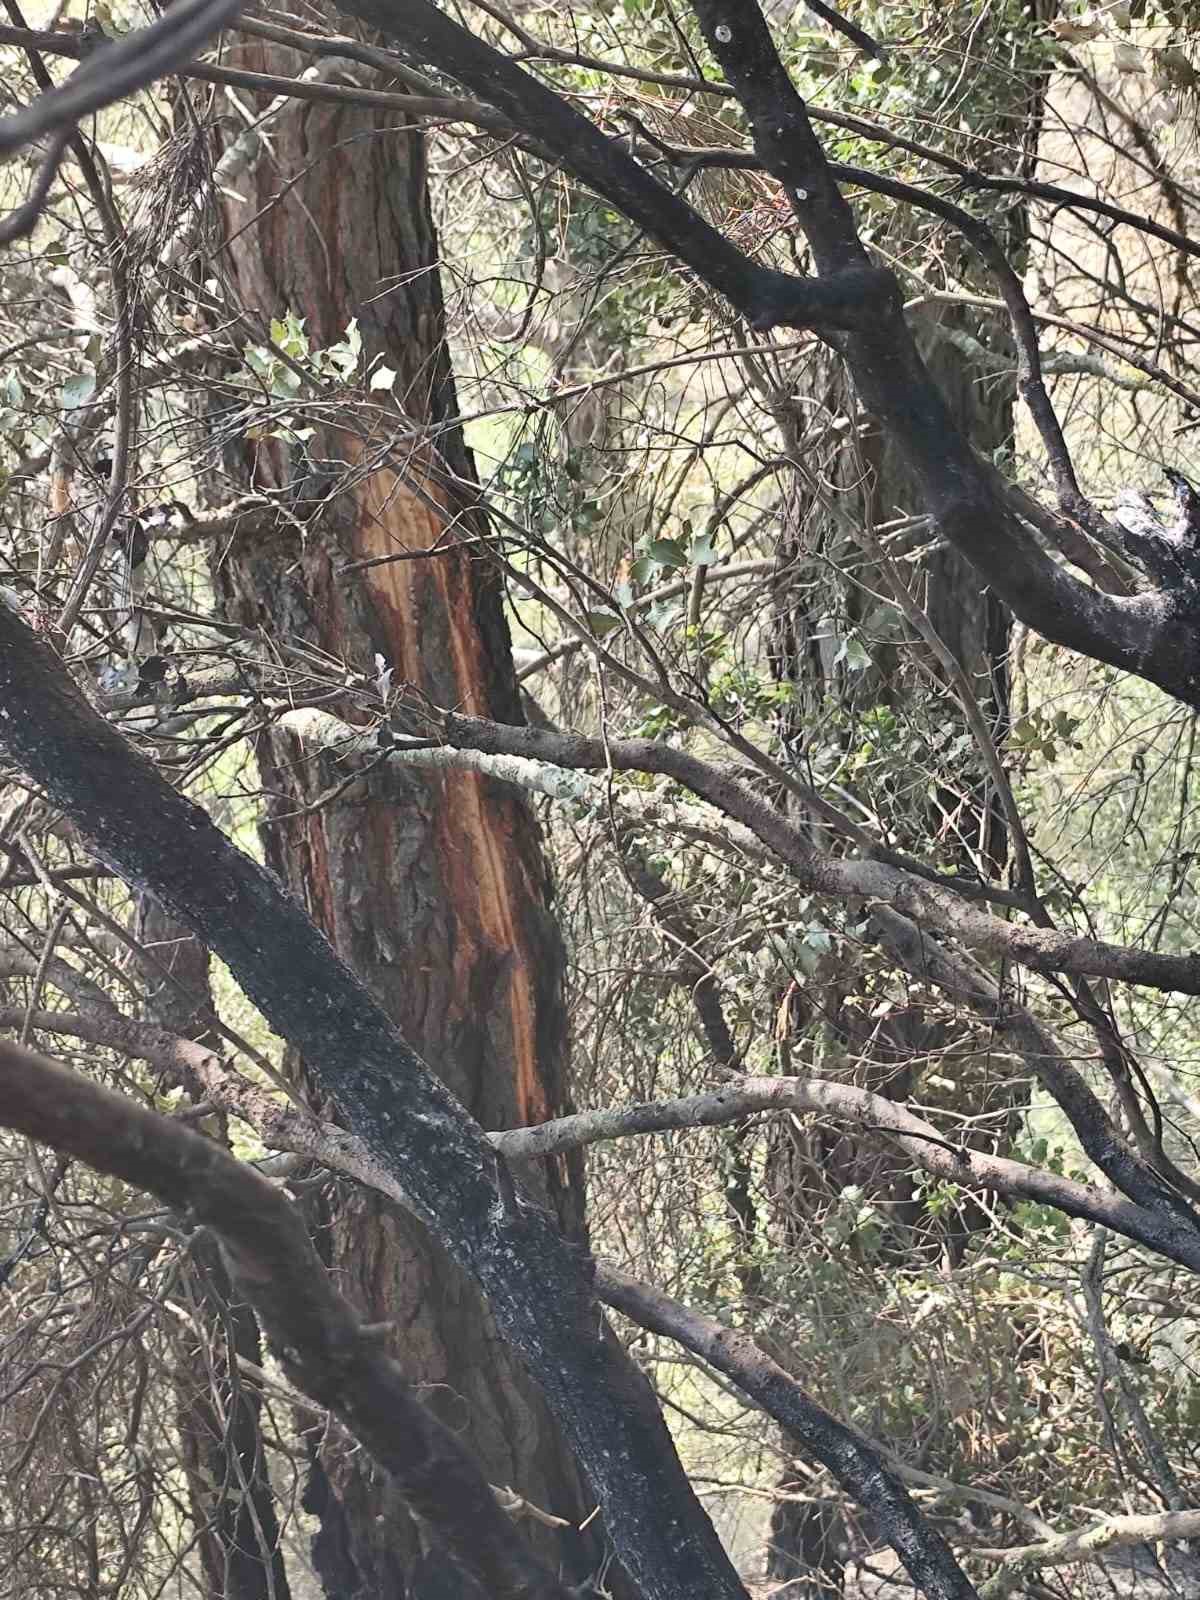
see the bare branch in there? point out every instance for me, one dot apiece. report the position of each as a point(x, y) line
point(119, 68)
point(934, 1152)
point(855, 1464)
point(539, 1286)
point(1085, 1544)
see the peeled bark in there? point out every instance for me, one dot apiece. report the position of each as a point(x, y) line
point(432, 887)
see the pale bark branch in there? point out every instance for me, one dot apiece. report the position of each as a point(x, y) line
point(1041, 949)
point(1085, 1544)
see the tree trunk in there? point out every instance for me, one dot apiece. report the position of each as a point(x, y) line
point(433, 888)
point(218, 1413)
point(825, 596)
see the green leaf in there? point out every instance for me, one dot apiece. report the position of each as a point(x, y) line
point(702, 552)
point(854, 653)
point(285, 383)
point(602, 622)
point(290, 336)
point(667, 553)
point(642, 570)
point(77, 391)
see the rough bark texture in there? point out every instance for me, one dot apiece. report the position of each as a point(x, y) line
point(538, 1284)
point(322, 1347)
point(433, 888)
point(1152, 634)
point(219, 1417)
point(824, 575)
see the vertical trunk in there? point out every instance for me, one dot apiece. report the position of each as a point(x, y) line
point(232, 1503)
point(433, 888)
point(218, 1413)
point(826, 592)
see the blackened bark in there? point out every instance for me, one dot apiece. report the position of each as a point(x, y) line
point(853, 1463)
point(538, 1284)
point(322, 1346)
point(1152, 635)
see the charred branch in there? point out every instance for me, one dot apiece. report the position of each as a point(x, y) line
point(539, 1286)
point(322, 1347)
point(1150, 635)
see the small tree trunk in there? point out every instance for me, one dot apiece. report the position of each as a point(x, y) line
point(219, 1414)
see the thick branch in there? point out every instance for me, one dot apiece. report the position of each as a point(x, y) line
point(320, 1344)
point(765, 297)
point(847, 1104)
point(1041, 949)
point(538, 1285)
point(1086, 1544)
point(1148, 634)
point(857, 1467)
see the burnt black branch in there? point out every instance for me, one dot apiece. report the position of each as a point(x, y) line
point(115, 70)
point(765, 297)
point(1167, 551)
point(539, 1286)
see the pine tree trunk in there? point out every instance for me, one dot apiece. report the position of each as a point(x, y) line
point(433, 888)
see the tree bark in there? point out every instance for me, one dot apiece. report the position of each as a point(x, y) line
point(825, 574)
point(432, 887)
point(219, 1416)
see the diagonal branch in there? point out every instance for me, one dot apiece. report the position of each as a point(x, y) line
point(1040, 949)
point(539, 1285)
point(1150, 634)
point(321, 1346)
point(853, 1107)
point(117, 68)
point(855, 1464)
point(765, 297)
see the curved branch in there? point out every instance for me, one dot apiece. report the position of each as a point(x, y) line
point(1085, 1544)
point(118, 68)
point(1040, 949)
point(321, 1346)
point(845, 1103)
point(1148, 634)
